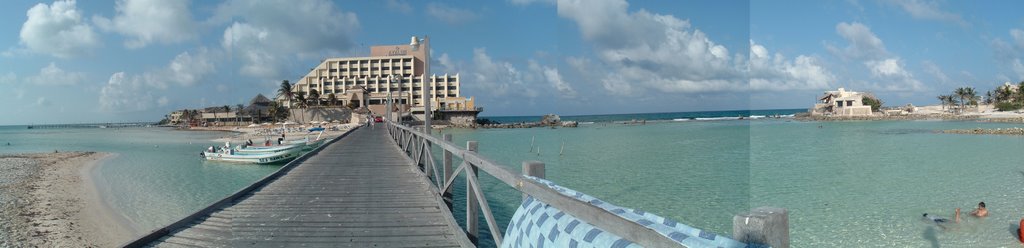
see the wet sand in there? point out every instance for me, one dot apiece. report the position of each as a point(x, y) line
point(51, 200)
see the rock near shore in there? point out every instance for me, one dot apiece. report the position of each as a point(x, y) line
point(997, 131)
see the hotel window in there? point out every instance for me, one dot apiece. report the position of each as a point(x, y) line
point(839, 103)
point(849, 103)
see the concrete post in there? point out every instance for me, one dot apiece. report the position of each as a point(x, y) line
point(533, 168)
point(763, 225)
point(472, 206)
point(447, 163)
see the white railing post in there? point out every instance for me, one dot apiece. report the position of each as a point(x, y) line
point(447, 163)
point(472, 207)
point(763, 225)
point(533, 168)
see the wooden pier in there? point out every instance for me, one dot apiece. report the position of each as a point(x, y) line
point(93, 125)
point(354, 193)
point(382, 186)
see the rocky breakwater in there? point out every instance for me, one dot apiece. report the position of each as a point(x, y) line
point(997, 131)
point(549, 120)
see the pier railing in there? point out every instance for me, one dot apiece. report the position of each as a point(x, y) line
point(417, 145)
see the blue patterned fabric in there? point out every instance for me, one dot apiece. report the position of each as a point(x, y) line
point(537, 224)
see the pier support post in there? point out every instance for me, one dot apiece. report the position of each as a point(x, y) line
point(533, 168)
point(447, 163)
point(472, 206)
point(763, 225)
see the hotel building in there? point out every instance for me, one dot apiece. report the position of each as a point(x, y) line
point(397, 70)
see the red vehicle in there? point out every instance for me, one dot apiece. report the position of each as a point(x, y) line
point(378, 119)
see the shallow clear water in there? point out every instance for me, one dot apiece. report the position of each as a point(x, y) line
point(862, 184)
point(156, 177)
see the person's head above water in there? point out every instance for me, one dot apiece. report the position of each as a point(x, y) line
point(981, 204)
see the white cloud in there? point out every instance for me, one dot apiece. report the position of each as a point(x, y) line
point(58, 30)
point(553, 78)
point(1008, 56)
point(1018, 37)
point(935, 71)
point(148, 21)
point(163, 101)
point(53, 75)
point(499, 78)
point(8, 78)
point(647, 51)
point(450, 15)
point(399, 6)
point(776, 73)
point(188, 68)
point(928, 10)
point(41, 101)
point(264, 35)
point(125, 94)
point(528, 2)
point(864, 44)
point(892, 76)
point(1018, 68)
point(446, 63)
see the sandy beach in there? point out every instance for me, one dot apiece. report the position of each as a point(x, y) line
point(985, 113)
point(260, 134)
point(52, 201)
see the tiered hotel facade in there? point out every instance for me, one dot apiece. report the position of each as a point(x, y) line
point(391, 69)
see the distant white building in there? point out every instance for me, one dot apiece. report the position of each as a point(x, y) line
point(841, 103)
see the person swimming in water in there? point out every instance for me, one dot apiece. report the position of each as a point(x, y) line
point(981, 211)
point(942, 221)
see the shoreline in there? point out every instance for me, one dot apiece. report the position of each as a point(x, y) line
point(55, 202)
point(98, 211)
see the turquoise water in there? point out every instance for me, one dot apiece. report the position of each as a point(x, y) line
point(862, 184)
point(157, 176)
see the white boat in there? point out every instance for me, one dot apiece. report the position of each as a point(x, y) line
point(264, 149)
point(230, 155)
point(310, 145)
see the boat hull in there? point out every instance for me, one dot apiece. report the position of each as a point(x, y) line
point(263, 158)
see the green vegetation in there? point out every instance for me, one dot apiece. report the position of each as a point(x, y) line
point(947, 100)
point(1008, 106)
point(872, 101)
point(1006, 97)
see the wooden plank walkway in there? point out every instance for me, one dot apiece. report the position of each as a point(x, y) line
point(360, 191)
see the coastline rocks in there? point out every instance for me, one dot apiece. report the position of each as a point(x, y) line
point(550, 120)
point(997, 131)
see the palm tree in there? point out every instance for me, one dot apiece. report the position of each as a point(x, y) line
point(286, 91)
point(1002, 94)
point(226, 109)
point(971, 96)
point(273, 111)
point(300, 101)
point(331, 99)
point(314, 97)
point(990, 97)
point(1020, 92)
point(239, 109)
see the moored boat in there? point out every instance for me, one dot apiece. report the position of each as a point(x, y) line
point(230, 155)
point(264, 149)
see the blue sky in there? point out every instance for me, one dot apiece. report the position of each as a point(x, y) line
point(133, 60)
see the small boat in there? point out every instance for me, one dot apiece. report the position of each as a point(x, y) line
point(229, 155)
point(310, 145)
point(264, 149)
